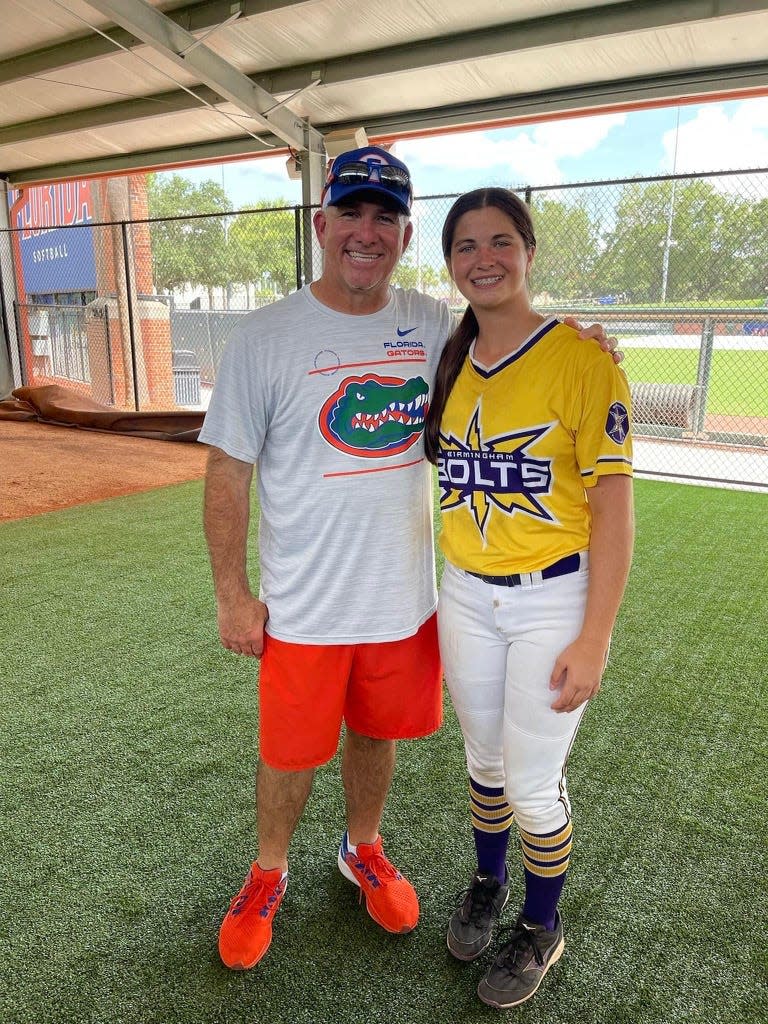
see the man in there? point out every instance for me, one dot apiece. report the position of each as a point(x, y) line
point(327, 390)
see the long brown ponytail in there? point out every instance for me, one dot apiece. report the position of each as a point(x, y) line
point(457, 346)
point(448, 369)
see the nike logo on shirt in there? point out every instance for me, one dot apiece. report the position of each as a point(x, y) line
point(402, 334)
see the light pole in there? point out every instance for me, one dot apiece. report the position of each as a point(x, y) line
point(669, 241)
point(225, 222)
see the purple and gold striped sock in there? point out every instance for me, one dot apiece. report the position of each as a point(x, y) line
point(491, 822)
point(545, 859)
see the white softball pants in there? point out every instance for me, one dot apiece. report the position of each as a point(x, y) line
point(499, 646)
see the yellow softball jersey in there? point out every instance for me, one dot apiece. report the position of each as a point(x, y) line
point(520, 442)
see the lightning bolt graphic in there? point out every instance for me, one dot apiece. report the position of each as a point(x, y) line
point(478, 502)
point(498, 472)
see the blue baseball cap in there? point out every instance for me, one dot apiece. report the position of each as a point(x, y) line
point(370, 169)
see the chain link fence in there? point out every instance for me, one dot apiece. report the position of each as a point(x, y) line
point(135, 313)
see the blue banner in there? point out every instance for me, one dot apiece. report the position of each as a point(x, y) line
point(59, 260)
point(55, 241)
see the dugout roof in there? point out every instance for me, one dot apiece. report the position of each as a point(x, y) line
point(113, 85)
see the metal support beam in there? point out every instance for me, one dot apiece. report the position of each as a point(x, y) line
point(509, 38)
point(194, 17)
point(177, 45)
point(144, 160)
point(122, 112)
point(691, 86)
point(10, 356)
point(312, 180)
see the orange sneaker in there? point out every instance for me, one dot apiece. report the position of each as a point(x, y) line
point(390, 898)
point(246, 931)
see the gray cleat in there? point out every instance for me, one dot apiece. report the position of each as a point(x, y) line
point(470, 929)
point(520, 967)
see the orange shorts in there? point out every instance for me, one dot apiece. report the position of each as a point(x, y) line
point(388, 691)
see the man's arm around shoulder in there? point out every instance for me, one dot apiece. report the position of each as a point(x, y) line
point(226, 514)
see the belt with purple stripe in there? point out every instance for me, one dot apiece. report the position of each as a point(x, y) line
point(564, 566)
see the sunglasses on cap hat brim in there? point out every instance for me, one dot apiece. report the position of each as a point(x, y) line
point(359, 172)
point(349, 179)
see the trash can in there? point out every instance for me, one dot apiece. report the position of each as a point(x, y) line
point(186, 377)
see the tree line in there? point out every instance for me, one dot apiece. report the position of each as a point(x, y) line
point(714, 244)
point(222, 247)
point(679, 242)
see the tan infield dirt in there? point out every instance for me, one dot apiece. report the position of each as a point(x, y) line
point(45, 467)
point(756, 425)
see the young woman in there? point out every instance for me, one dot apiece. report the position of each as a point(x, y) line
point(529, 428)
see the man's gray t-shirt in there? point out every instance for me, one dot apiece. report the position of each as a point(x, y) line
point(331, 408)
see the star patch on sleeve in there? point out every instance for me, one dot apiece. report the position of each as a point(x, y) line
point(617, 423)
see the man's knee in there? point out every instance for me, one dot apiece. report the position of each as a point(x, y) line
point(361, 743)
point(288, 781)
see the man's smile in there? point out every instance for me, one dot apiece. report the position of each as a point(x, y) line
point(362, 257)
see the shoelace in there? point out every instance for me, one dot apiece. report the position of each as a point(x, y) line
point(253, 888)
point(250, 887)
point(481, 903)
point(378, 865)
point(521, 938)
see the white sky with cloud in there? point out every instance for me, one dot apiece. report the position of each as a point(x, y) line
point(532, 153)
point(717, 138)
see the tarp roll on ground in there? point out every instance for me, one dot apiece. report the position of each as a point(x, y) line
point(50, 403)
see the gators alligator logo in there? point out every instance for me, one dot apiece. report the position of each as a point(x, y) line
point(375, 417)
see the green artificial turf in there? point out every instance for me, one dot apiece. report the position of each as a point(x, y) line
point(738, 383)
point(128, 748)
